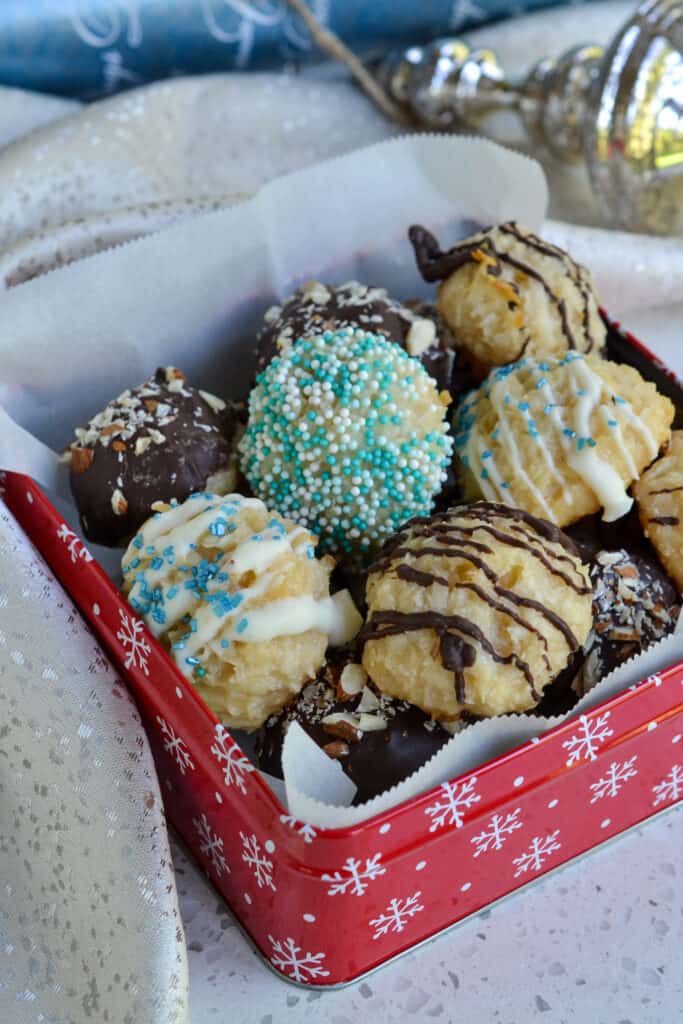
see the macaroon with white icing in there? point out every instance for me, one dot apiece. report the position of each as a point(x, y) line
point(237, 595)
point(562, 438)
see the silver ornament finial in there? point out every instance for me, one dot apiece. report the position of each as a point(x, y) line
point(620, 109)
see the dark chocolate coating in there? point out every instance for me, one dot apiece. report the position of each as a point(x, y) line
point(375, 762)
point(635, 602)
point(311, 311)
point(157, 442)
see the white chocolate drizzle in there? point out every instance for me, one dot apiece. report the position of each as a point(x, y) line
point(570, 432)
point(184, 568)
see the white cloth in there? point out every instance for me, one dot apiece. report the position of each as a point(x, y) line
point(78, 181)
point(89, 922)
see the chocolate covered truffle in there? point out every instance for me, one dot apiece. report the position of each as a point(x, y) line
point(377, 740)
point(635, 603)
point(316, 307)
point(159, 442)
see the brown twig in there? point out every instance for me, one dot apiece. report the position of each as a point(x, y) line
point(332, 45)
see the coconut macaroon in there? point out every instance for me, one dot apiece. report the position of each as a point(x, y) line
point(561, 438)
point(239, 598)
point(347, 435)
point(659, 496)
point(477, 609)
point(506, 293)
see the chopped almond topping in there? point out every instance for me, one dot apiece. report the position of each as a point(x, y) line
point(81, 459)
point(114, 428)
point(344, 730)
point(628, 571)
point(118, 503)
point(118, 446)
point(336, 749)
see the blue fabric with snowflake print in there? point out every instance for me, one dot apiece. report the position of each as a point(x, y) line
point(90, 48)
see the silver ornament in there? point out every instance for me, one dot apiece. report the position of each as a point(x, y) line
point(620, 109)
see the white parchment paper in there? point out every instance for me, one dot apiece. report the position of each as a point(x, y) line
point(310, 781)
point(194, 296)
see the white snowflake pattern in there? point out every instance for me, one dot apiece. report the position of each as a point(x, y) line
point(539, 850)
point(496, 832)
point(302, 828)
point(464, 12)
point(74, 545)
point(454, 800)
point(670, 788)
point(292, 961)
point(354, 877)
point(175, 746)
point(616, 775)
point(583, 745)
point(131, 635)
point(396, 915)
point(211, 845)
point(254, 857)
point(233, 762)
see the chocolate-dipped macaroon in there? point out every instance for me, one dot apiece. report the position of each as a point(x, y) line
point(378, 741)
point(635, 603)
point(316, 307)
point(161, 441)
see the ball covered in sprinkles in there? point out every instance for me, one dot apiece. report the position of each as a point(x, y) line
point(347, 435)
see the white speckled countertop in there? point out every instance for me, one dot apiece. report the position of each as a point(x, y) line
point(599, 941)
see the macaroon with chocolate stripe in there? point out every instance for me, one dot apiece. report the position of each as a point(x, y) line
point(506, 293)
point(659, 496)
point(476, 609)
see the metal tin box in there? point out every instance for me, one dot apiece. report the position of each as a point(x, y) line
point(326, 906)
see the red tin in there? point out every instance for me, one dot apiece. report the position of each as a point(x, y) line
point(325, 906)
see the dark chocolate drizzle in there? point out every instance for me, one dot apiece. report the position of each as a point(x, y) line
point(664, 520)
point(427, 579)
point(435, 265)
point(422, 579)
point(574, 269)
point(667, 490)
point(453, 540)
point(456, 653)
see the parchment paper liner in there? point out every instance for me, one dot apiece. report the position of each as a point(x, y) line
point(194, 295)
point(312, 779)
